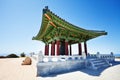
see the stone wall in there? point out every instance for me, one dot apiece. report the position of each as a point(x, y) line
point(54, 68)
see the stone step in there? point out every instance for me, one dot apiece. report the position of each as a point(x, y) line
point(98, 63)
point(100, 66)
point(96, 60)
point(92, 59)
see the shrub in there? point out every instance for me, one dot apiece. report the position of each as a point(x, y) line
point(2, 57)
point(22, 54)
point(12, 56)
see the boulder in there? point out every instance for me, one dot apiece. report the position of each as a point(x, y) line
point(27, 61)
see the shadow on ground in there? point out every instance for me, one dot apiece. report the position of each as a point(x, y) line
point(98, 71)
point(87, 71)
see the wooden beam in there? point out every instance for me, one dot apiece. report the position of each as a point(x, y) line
point(48, 17)
point(53, 24)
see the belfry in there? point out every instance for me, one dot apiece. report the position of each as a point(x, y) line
point(58, 36)
point(62, 34)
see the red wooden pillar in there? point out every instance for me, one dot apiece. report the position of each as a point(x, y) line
point(79, 48)
point(47, 49)
point(58, 47)
point(70, 50)
point(85, 47)
point(53, 48)
point(66, 47)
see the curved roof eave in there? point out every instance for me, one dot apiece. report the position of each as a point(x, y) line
point(67, 25)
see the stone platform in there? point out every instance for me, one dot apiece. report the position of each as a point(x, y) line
point(48, 68)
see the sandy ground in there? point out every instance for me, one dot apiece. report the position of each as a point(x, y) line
point(11, 69)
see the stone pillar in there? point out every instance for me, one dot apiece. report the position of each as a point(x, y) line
point(58, 47)
point(70, 50)
point(66, 47)
point(98, 55)
point(53, 48)
point(85, 47)
point(79, 48)
point(40, 57)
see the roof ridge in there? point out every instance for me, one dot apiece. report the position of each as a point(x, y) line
point(47, 9)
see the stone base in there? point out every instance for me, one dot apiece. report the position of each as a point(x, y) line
point(54, 68)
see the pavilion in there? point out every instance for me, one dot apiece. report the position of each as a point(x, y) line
point(61, 34)
point(56, 31)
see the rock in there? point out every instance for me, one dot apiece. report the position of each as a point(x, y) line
point(27, 61)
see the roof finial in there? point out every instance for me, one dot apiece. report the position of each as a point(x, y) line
point(46, 7)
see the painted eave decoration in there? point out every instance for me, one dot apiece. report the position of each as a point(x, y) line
point(53, 28)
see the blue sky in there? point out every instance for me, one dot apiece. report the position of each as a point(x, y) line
point(20, 20)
